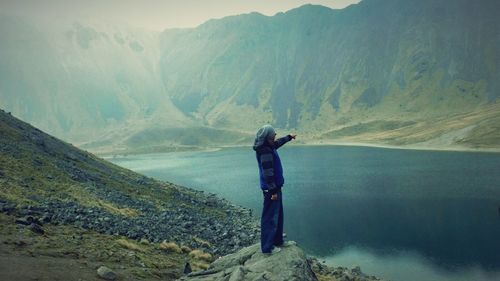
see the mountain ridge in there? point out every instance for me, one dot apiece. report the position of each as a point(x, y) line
point(413, 88)
point(312, 69)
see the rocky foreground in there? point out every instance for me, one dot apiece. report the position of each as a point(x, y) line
point(289, 264)
point(217, 236)
point(45, 180)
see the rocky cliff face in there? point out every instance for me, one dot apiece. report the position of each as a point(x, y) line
point(383, 64)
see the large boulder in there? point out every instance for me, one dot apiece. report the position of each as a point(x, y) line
point(251, 264)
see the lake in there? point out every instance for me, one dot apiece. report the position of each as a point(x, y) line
point(399, 214)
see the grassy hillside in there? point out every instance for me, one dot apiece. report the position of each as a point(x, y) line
point(479, 130)
point(68, 252)
point(92, 212)
point(160, 139)
point(314, 69)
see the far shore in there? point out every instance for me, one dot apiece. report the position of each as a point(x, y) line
point(111, 154)
point(405, 147)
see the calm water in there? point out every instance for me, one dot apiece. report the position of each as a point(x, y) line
point(399, 214)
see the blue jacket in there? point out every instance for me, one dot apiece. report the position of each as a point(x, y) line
point(269, 162)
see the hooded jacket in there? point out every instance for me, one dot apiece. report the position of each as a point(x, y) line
point(268, 160)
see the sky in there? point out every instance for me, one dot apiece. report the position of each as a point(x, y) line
point(156, 14)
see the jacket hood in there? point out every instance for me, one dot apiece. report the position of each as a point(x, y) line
point(262, 134)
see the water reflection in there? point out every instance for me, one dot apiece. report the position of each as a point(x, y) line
point(406, 265)
point(454, 233)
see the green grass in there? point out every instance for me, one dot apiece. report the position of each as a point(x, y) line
point(69, 242)
point(487, 134)
point(33, 172)
point(374, 126)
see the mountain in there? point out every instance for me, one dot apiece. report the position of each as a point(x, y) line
point(79, 79)
point(397, 64)
point(66, 206)
point(412, 73)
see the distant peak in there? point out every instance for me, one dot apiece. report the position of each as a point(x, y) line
point(310, 7)
point(233, 18)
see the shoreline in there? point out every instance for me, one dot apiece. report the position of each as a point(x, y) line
point(111, 155)
point(405, 147)
point(374, 145)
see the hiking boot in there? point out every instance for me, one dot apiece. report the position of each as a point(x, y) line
point(286, 244)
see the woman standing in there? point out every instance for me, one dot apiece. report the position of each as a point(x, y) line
point(271, 182)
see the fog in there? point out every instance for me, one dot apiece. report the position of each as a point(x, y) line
point(406, 265)
point(156, 14)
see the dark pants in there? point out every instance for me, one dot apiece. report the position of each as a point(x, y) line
point(271, 223)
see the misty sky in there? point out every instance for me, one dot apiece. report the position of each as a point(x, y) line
point(156, 14)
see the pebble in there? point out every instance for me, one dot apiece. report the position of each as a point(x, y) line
point(187, 268)
point(24, 221)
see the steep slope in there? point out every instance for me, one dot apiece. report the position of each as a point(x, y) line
point(44, 181)
point(479, 129)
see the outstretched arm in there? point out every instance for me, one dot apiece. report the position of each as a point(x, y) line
point(281, 141)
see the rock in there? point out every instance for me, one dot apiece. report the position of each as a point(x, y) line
point(106, 273)
point(46, 218)
point(37, 162)
point(347, 276)
point(356, 270)
point(20, 243)
point(36, 228)
point(187, 224)
point(237, 274)
point(25, 221)
point(251, 264)
point(132, 234)
point(7, 207)
point(187, 268)
point(243, 236)
point(343, 278)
